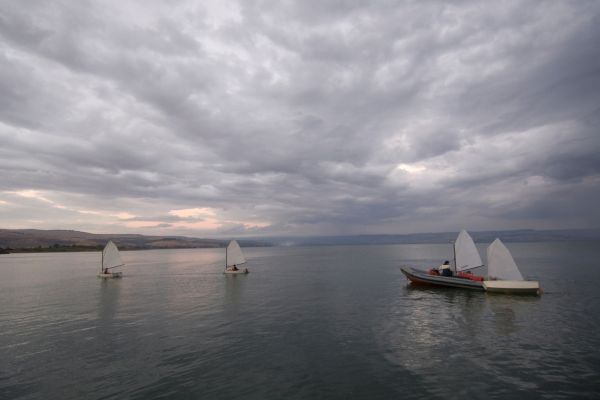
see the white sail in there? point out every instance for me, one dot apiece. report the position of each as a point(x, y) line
point(234, 254)
point(467, 256)
point(110, 256)
point(501, 264)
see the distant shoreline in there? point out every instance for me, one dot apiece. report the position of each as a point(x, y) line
point(60, 249)
point(80, 249)
point(55, 241)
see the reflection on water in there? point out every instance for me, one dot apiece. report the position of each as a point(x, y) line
point(234, 286)
point(108, 299)
point(329, 322)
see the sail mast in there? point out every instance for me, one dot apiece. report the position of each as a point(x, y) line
point(454, 250)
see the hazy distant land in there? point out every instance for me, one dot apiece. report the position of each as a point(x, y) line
point(35, 240)
point(521, 235)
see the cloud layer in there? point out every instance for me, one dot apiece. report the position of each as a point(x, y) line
point(271, 117)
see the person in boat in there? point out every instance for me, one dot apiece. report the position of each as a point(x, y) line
point(233, 268)
point(444, 269)
point(105, 272)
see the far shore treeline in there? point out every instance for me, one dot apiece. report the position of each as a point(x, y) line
point(45, 241)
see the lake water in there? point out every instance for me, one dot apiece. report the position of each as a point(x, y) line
point(335, 322)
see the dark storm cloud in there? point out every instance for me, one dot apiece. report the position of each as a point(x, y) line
point(313, 117)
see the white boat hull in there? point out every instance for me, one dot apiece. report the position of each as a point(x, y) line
point(512, 287)
point(240, 271)
point(111, 275)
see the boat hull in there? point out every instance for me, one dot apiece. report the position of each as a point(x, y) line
point(513, 287)
point(241, 271)
point(423, 278)
point(111, 275)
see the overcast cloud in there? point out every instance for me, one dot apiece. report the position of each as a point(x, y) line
point(282, 117)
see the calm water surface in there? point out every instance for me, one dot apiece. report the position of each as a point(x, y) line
point(335, 322)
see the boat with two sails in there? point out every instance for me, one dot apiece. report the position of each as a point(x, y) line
point(503, 274)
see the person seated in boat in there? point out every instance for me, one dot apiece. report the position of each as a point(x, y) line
point(445, 269)
point(105, 271)
point(234, 268)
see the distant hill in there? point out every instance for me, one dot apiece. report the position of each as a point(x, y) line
point(28, 240)
point(65, 240)
point(522, 235)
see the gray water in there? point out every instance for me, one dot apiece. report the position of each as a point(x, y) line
point(336, 322)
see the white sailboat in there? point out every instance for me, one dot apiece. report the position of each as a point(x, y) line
point(234, 259)
point(110, 259)
point(504, 275)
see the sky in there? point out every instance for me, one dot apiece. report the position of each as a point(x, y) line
point(263, 118)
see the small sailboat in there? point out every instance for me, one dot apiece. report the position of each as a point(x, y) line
point(234, 258)
point(466, 257)
point(504, 275)
point(110, 259)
